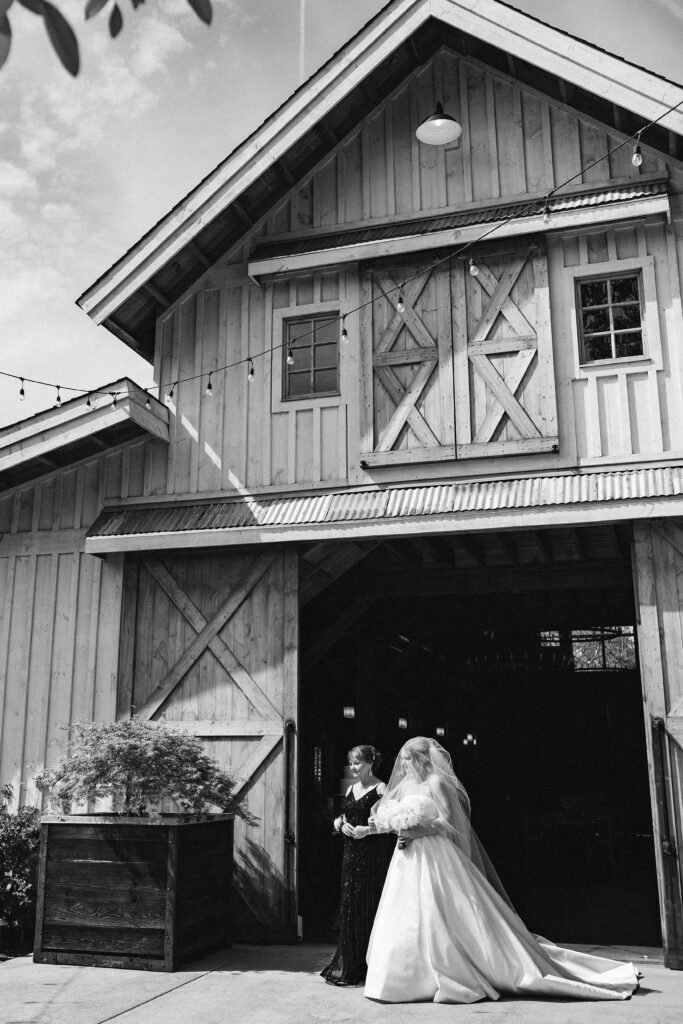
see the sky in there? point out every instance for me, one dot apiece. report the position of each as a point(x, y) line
point(89, 164)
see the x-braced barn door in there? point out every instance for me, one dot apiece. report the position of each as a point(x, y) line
point(209, 645)
point(658, 552)
point(455, 365)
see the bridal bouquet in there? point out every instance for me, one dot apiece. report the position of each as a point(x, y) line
point(410, 812)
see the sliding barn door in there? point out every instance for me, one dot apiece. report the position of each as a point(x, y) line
point(462, 367)
point(209, 645)
point(659, 606)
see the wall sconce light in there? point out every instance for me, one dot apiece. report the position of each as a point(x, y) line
point(438, 129)
point(470, 740)
point(349, 711)
point(440, 731)
point(402, 723)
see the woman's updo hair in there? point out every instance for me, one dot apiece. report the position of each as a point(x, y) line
point(366, 752)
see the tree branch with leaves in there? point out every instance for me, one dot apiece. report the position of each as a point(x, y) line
point(60, 32)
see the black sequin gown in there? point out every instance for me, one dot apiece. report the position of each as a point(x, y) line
point(364, 868)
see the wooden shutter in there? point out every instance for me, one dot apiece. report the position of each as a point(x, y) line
point(659, 607)
point(209, 646)
point(407, 403)
point(466, 369)
point(503, 360)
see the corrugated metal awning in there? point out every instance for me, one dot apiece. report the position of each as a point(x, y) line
point(267, 249)
point(453, 506)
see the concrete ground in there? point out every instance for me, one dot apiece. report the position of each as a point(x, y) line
point(280, 985)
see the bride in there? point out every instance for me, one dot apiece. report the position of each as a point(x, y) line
point(445, 929)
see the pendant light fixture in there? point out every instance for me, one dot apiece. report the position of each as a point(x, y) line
point(439, 128)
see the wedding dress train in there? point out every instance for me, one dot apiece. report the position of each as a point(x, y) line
point(443, 933)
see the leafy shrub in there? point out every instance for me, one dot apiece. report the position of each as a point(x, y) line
point(138, 765)
point(19, 845)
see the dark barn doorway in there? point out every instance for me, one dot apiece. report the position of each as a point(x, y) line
point(521, 649)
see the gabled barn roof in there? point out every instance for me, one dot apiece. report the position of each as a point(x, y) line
point(405, 34)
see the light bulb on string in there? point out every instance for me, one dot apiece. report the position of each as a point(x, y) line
point(148, 403)
point(344, 332)
point(251, 374)
point(473, 268)
point(58, 399)
point(22, 393)
point(114, 398)
point(169, 396)
point(400, 305)
point(88, 403)
point(290, 355)
point(637, 158)
point(209, 386)
point(546, 212)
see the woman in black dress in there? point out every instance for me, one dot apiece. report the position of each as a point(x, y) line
point(364, 867)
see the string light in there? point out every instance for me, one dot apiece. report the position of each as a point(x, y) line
point(114, 398)
point(148, 401)
point(88, 403)
point(290, 355)
point(636, 159)
point(209, 386)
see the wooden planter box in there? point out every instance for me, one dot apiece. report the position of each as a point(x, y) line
point(133, 892)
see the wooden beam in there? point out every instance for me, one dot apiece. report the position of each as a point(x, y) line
point(196, 249)
point(340, 624)
point(611, 574)
point(472, 549)
point(542, 544)
point(506, 541)
point(584, 216)
point(580, 545)
point(157, 294)
point(437, 549)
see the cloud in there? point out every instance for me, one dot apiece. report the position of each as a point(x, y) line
point(14, 180)
point(155, 43)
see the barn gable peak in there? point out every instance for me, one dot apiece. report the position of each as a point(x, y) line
point(398, 44)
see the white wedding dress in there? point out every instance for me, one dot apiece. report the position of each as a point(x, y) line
point(443, 933)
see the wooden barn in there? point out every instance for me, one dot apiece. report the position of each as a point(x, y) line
point(414, 465)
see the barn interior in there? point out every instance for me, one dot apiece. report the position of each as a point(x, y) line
point(518, 650)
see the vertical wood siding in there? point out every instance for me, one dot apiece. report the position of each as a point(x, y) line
point(60, 609)
point(515, 141)
point(627, 408)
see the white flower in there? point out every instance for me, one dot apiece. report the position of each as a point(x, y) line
point(338, 823)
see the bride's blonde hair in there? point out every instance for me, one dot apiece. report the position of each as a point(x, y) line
point(420, 751)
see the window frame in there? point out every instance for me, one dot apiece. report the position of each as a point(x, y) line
point(612, 333)
point(652, 341)
point(347, 353)
point(324, 316)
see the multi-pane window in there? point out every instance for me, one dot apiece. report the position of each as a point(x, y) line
point(610, 317)
point(310, 354)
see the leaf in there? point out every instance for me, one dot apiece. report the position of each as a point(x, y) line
point(5, 38)
point(203, 10)
point(115, 22)
point(62, 37)
point(94, 7)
